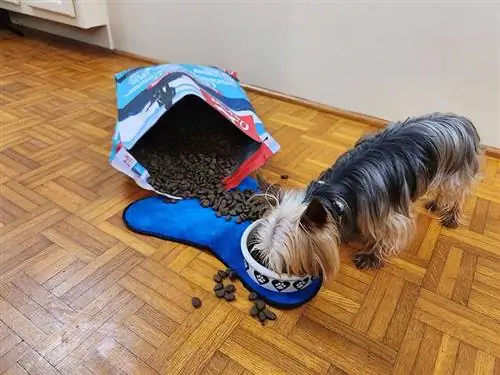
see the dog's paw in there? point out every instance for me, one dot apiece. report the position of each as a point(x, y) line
point(366, 261)
point(450, 221)
point(431, 206)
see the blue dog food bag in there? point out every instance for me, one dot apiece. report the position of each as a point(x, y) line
point(145, 94)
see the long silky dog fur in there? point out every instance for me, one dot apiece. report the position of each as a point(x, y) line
point(368, 194)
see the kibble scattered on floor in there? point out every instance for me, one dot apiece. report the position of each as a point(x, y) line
point(261, 312)
point(224, 291)
point(227, 292)
point(196, 302)
point(252, 296)
point(188, 154)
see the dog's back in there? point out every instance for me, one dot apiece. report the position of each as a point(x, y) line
point(412, 153)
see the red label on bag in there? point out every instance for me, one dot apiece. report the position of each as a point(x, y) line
point(245, 124)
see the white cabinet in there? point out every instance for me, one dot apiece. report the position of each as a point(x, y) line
point(84, 14)
point(65, 7)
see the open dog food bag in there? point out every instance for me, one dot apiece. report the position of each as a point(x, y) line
point(180, 125)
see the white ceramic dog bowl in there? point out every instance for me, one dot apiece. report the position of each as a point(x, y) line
point(267, 278)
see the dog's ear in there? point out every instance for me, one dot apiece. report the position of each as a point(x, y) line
point(315, 216)
point(271, 189)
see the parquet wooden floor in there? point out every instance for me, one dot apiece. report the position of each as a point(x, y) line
point(79, 294)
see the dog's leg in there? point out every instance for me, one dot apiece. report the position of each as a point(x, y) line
point(368, 258)
point(386, 238)
point(448, 206)
point(452, 193)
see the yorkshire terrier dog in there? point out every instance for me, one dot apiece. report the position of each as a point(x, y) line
point(368, 194)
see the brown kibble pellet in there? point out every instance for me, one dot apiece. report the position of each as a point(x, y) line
point(254, 311)
point(222, 273)
point(252, 296)
point(217, 278)
point(269, 314)
point(232, 275)
point(284, 177)
point(220, 293)
point(262, 316)
point(229, 297)
point(261, 305)
point(196, 302)
point(218, 286)
point(230, 288)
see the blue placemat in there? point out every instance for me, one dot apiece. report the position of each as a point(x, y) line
point(187, 222)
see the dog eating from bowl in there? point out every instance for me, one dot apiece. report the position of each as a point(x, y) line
point(368, 196)
point(263, 276)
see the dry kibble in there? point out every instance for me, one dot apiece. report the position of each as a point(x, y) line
point(230, 288)
point(254, 311)
point(253, 296)
point(262, 316)
point(261, 305)
point(284, 177)
point(192, 158)
point(196, 302)
point(231, 274)
point(222, 274)
point(217, 278)
point(218, 286)
point(269, 314)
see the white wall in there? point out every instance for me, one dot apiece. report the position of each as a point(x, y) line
point(384, 58)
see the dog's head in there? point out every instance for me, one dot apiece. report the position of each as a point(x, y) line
point(298, 235)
